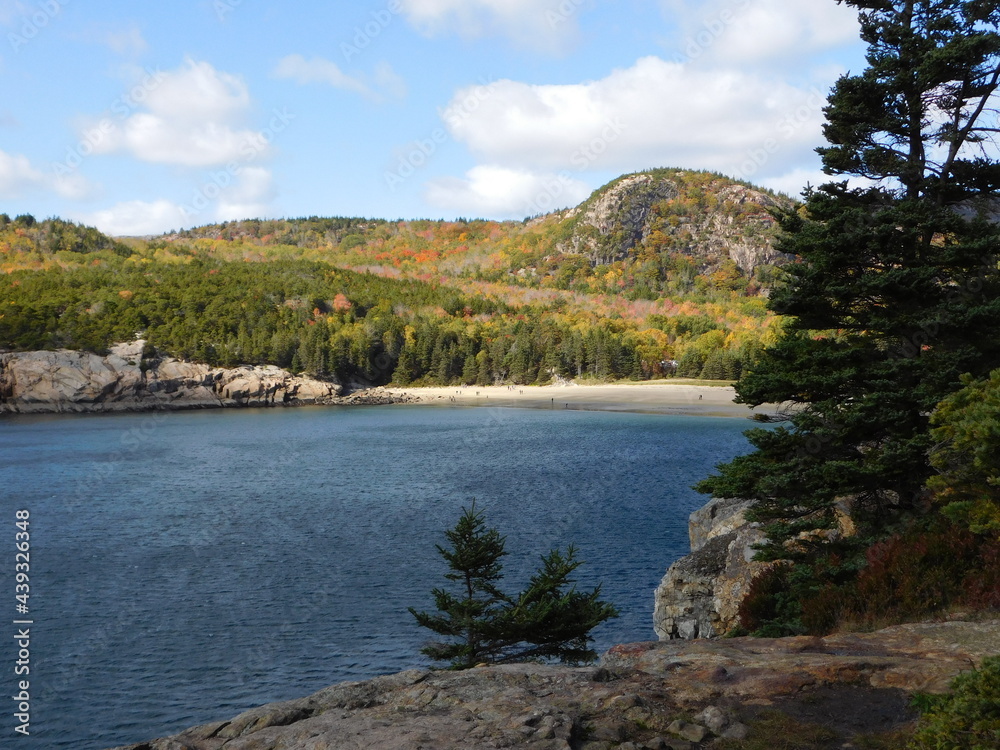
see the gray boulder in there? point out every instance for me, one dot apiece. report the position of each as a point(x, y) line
point(700, 595)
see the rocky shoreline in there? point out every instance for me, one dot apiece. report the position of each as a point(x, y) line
point(66, 381)
point(668, 694)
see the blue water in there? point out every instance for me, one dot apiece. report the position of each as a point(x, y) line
point(188, 566)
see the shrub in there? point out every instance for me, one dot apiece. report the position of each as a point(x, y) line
point(769, 610)
point(967, 454)
point(968, 718)
point(910, 576)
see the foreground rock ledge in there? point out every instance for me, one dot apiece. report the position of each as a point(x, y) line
point(634, 695)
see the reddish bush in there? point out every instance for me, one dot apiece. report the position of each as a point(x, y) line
point(911, 576)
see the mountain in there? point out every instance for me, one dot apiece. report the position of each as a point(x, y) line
point(658, 272)
point(702, 215)
point(654, 232)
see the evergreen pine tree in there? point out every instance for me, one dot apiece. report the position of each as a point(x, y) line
point(897, 291)
point(550, 619)
point(469, 617)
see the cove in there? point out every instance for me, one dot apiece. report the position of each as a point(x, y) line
point(187, 566)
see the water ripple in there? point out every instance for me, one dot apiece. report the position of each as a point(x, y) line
point(235, 558)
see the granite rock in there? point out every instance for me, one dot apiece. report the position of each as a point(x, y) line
point(636, 693)
point(700, 595)
point(123, 380)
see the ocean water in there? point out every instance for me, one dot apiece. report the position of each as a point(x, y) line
point(188, 566)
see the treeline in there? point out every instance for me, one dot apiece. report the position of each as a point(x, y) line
point(26, 235)
point(232, 294)
point(309, 231)
point(309, 317)
point(679, 250)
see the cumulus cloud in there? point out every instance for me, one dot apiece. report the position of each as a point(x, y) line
point(72, 185)
point(795, 181)
point(500, 192)
point(655, 113)
point(250, 196)
point(18, 176)
point(749, 32)
point(189, 117)
point(545, 25)
point(136, 218)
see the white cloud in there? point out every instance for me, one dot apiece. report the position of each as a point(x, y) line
point(72, 185)
point(223, 197)
point(18, 176)
point(318, 70)
point(795, 181)
point(133, 218)
point(547, 25)
point(197, 92)
point(250, 197)
point(499, 192)
point(127, 42)
point(321, 70)
point(188, 117)
point(748, 32)
point(655, 113)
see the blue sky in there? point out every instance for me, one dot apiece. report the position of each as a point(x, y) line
point(144, 117)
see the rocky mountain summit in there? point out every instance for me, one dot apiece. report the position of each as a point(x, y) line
point(668, 694)
point(125, 380)
point(707, 217)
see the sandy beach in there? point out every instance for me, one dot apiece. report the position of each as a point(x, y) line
point(652, 398)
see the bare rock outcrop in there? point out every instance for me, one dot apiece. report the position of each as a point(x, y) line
point(700, 595)
point(618, 220)
point(75, 381)
point(642, 695)
point(733, 222)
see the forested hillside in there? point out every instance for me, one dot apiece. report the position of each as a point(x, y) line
point(657, 274)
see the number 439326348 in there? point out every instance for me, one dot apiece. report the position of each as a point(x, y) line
point(22, 561)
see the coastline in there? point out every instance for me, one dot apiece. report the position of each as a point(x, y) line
point(124, 380)
point(659, 397)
